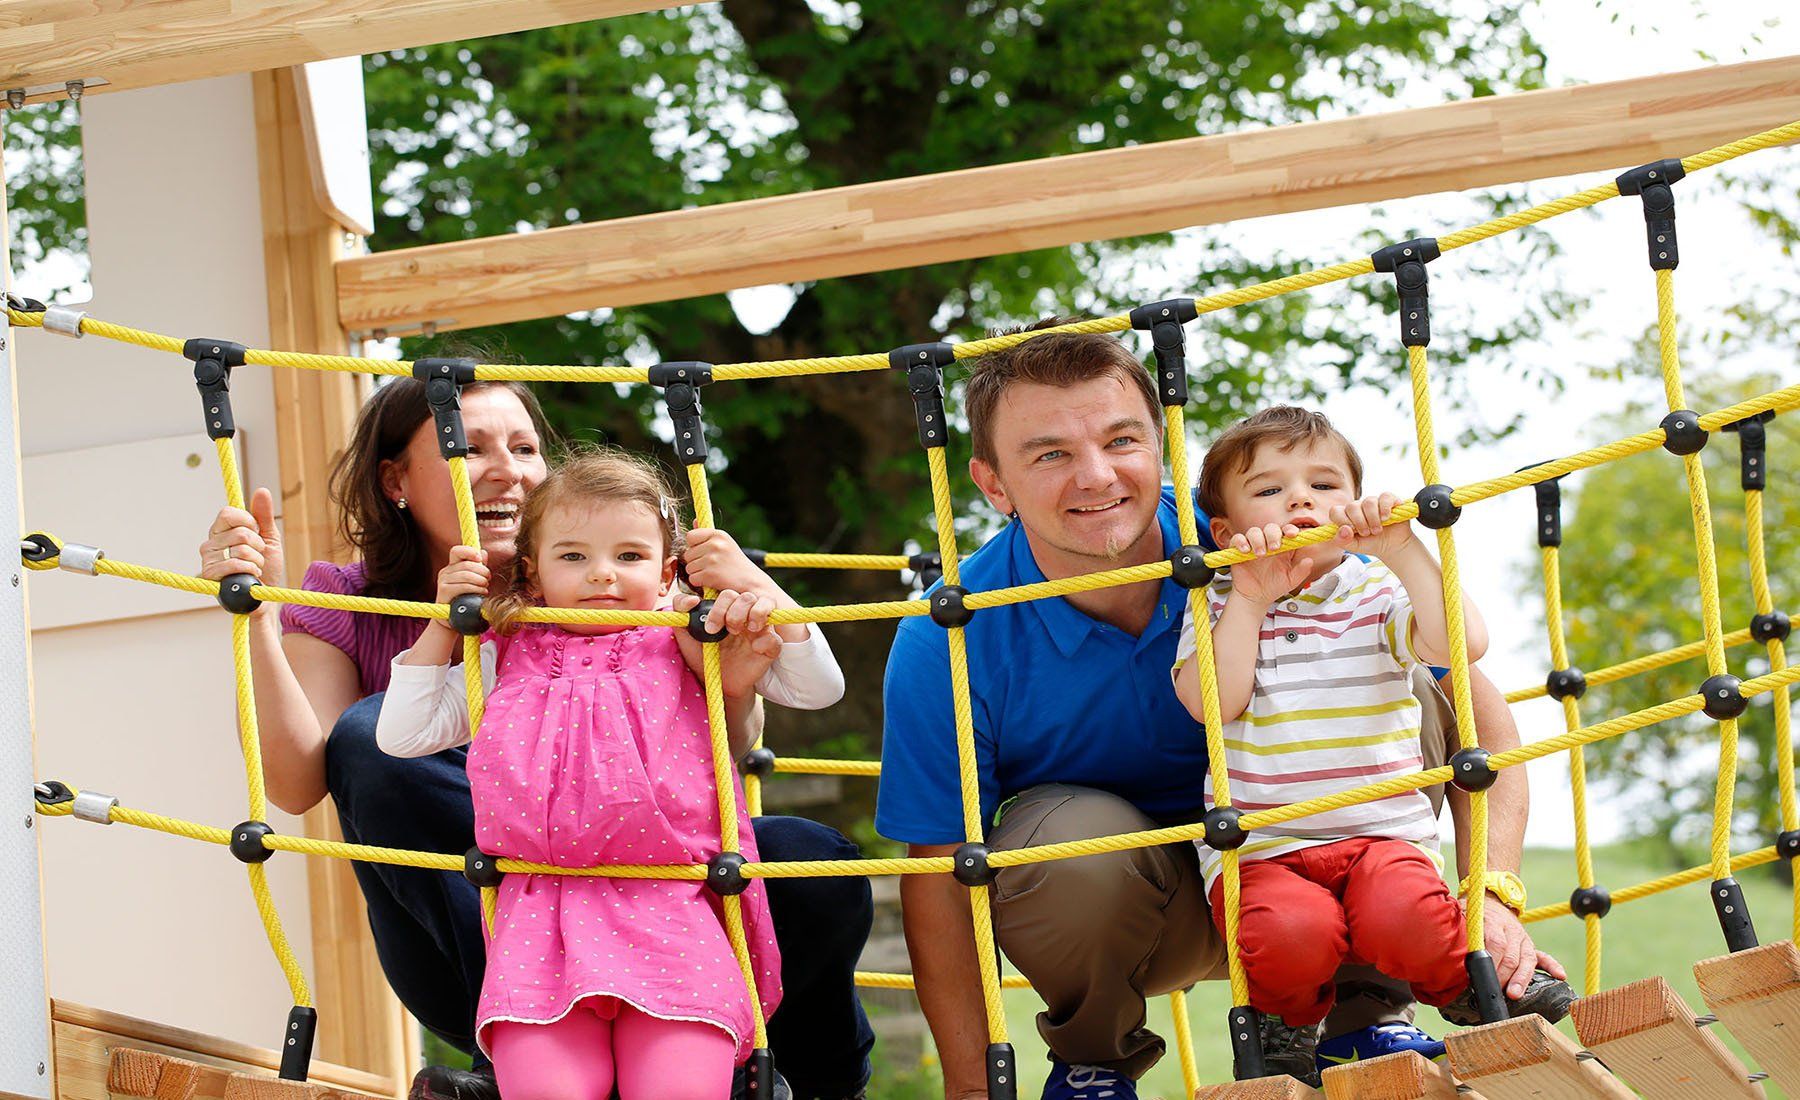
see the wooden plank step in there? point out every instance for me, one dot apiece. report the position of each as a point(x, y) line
point(1756, 993)
point(1648, 1036)
point(1528, 1058)
point(141, 1073)
point(1260, 1088)
point(1403, 1076)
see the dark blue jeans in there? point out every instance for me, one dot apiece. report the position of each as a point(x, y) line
point(427, 924)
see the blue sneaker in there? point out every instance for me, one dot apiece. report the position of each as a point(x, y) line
point(1080, 1082)
point(1373, 1042)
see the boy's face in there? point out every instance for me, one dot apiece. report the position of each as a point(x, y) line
point(1298, 486)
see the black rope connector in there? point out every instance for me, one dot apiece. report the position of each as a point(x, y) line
point(680, 383)
point(947, 609)
point(696, 626)
point(1734, 914)
point(1653, 182)
point(444, 380)
point(1787, 844)
point(1470, 770)
point(1753, 444)
point(213, 360)
point(759, 1075)
point(725, 874)
point(1723, 696)
point(38, 547)
point(297, 1043)
point(759, 762)
point(481, 869)
point(1168, 344)
point(1436, 510)
point(758, 558)
point(1484, 985)
point(1682, 434)
point(924, 366)
point(928, 566)
point(1407, 261)
point(1549, 511)
point(234, 593)
point(247, 841)
point(1590, 901)
point(1002, 1075)
point(1223, 833)
point(969, 865)
point(52, 792)
point(1772, 626)
point(465, 614)
point(1565, 683)
point(1188, 567)
point(1245, 1027)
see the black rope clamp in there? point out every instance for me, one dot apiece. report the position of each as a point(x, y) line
point(38, 547)
point(1566, 683)
point(1723, 696)
point(759, 1075)
point(234, 593)
point(680, 383)
point(297, 1044)
point(759, 762)
point(1003, 1083)
point(1549, 509)
point(725, 874)
point(1187, 565)
point(1787, 844)
point(213, 360)
point(969, 865)
point(465, 615)
point(1590, 901)
point(22, 304)
point(1734, 914)
point(1772, 626)
point(444, 380)
point(1470, 770)
point(1223, 833)
point(924, 366)
point(1168, 343)
point(247, 842)
point(1246, 1043)
point(52, 792)
point(1652, 182)
point(1437, 509)
point(696, 624)
point(928, 566)
point(481, 869)
point(1753, 442)
point(1484, 985)
point(1682, 433)
point(758, 558)
point(1407, 261)
point(947, 609)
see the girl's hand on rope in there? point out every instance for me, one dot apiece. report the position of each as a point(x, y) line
point(466, 575)
point(750, 645)
point(1264, 579)
point(242, 541)
point(1360, 530)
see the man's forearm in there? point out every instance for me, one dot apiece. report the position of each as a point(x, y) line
point(1509, 799)
point(940, 938)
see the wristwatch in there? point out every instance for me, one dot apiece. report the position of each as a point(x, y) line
point(1504, 885)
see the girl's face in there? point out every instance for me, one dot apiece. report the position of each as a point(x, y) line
point(506, 460)
point(606, 556)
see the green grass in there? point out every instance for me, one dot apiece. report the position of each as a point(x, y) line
point(1664, 934)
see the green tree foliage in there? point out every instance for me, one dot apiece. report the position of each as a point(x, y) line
point(751, 98)
point(1630, 588)
point(46, 196)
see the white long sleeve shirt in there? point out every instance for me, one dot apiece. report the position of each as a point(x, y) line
point(426, 709)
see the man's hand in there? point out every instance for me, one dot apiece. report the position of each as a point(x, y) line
point(1515, 956)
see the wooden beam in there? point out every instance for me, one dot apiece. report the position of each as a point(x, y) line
point(143, 1074)
point(1756, 994)
point(1061, 200)
point(1648, 1035)
point(138, 44)
point(1528, 1059)
point(361, 1023)
point(1262, 1088)
point(1404, 1076)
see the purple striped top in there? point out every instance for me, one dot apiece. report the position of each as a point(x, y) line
point(370, 641)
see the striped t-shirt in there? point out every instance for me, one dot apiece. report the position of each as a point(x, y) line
point(1332, 708)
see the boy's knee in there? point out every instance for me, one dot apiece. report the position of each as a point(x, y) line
point(1301, 946)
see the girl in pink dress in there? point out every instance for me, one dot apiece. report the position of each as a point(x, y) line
point(595, 749)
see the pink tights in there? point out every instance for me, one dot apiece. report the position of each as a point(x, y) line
point(582, 1055)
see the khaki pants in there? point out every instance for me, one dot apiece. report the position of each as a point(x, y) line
point(1098, 934)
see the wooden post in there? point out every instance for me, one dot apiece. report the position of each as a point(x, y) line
point(1262, 1088)
point(1528, 1059)
point(361, 1024)
point(1756, 993)
point(1648, 1035)
point(1404, 1076)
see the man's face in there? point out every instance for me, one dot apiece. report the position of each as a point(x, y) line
point(1082, 466)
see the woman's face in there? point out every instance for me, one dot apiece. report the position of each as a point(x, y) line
point(506, 461)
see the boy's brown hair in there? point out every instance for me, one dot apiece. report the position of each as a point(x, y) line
point(1060, 359)
point(591, 475)
point(1284, 426)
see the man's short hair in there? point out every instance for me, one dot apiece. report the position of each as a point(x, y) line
point(1285, 426)
point(1059, 359)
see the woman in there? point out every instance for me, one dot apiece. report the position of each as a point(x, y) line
point(318, 670)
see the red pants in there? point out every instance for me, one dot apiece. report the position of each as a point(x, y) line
point(1368, 900)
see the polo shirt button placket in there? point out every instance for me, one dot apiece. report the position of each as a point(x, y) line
point(1292, 635)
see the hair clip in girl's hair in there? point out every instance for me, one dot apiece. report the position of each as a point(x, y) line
point(666, 507)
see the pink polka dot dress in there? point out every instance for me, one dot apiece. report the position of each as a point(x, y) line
point(594, 750)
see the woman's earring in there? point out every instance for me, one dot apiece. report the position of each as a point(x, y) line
point(400, 504)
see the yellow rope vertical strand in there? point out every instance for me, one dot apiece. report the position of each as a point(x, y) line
point(1459, 651)
point(986, 954)
point(722, 776)
point(1784, 732)
point(470, 533)
point(1184, 1042)
point(1584, 856)
point(1727, 898)
point(251, 741)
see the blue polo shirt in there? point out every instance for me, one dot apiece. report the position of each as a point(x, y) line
point(1058, 697)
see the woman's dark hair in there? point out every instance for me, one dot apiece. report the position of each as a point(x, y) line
point(385, 537)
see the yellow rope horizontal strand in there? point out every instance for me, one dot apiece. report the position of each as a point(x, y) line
point(891, 562)
point(871, 979)
point(1658, 885)
point(802, 765)
point(1626, 669)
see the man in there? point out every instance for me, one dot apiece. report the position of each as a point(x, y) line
point(1079, 734)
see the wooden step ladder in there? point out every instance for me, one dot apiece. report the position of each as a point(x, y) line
point(1651, 1038)
point(1756, 994)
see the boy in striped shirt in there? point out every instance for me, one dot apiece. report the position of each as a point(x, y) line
point(1315, 650)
